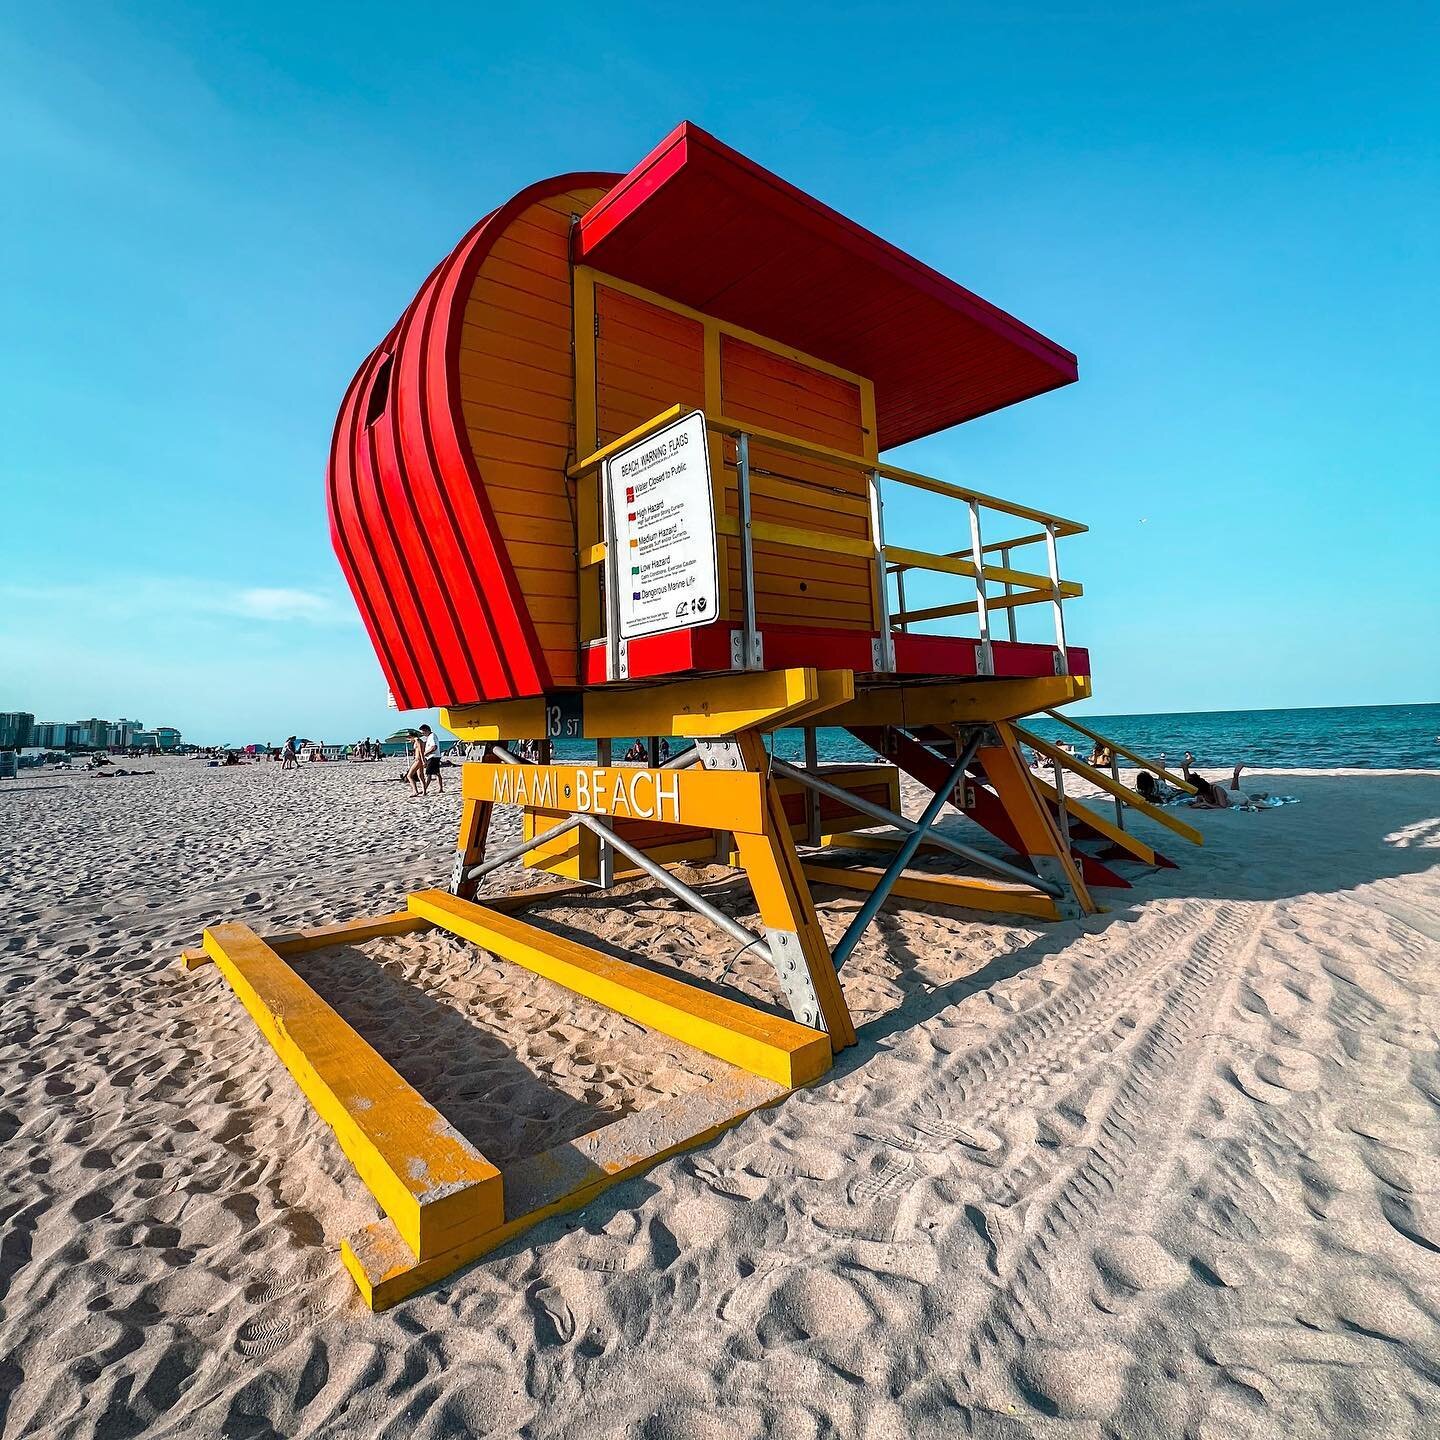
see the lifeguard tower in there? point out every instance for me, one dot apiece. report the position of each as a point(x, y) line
point(616, 472)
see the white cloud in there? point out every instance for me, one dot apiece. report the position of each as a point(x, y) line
point(283, 604)
point(178, 599)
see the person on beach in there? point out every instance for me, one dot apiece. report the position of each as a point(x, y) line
point(1155, 790)
point(1209, 795)
point(290, 755)
point(426, 764)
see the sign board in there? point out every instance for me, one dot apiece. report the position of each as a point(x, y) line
point(662, 524)
point(564, 716)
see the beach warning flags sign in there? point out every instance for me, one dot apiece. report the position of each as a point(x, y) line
point(661, 505)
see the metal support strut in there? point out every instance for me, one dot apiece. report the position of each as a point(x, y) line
point(904, 855)
point(890, 817)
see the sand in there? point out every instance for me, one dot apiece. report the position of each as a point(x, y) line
point(1170, 1170)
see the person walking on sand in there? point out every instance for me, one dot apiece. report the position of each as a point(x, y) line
point(290, 755)
point(430, 750)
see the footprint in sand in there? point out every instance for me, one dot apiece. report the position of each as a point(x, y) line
point(554, 1318)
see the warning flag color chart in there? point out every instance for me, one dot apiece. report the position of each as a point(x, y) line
point(662, 518)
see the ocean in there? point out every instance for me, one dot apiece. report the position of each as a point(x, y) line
point(1362, 737)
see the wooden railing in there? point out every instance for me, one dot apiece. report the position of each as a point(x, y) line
point(1019, 587)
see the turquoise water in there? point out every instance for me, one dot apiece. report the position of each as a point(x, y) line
point(1368, 737)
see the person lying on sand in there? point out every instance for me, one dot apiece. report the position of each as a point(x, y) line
point(1156, 791)
point(1209, 796)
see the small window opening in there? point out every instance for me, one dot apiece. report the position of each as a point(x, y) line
point(379, 393)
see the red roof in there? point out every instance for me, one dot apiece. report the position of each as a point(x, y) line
point(697, 222)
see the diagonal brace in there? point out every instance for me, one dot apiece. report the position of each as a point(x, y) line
point(904, 855)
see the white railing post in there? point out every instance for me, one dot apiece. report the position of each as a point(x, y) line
point(1062, 653)
point(749, 660)
point(884, 658)
point(985, 656)
point(1009, 591)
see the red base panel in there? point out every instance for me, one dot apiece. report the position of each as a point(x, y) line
point(707, 649)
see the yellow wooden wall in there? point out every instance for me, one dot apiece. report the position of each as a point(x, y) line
point(527, 317)
point(651, 353)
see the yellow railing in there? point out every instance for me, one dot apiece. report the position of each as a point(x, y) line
point(1020, 587)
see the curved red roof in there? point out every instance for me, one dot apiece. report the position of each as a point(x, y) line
point(697, 222)
point(409, 519)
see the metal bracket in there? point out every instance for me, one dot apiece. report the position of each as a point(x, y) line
point(738, 659)
point(877, 655)
point(622, 660)
point(1062, 664)
point(789, 962)
point(1051, 870)
point(720, 755)
point(457, 872)
point(984, 658)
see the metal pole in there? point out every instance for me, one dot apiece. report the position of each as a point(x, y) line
point(515, 851)
point(903, 856)
point(1056, 604)
point(602, 828)
point(882, 580)
point(889, 817)
point(1119, 803)
point(812, 799)
point(900, 597)
point(1064, 814)
point(986, 657)
point(1009, 590)
point(611, 588)
point(676, 886)
point(747, 553)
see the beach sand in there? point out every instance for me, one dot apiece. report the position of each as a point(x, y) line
point(1169, 1170)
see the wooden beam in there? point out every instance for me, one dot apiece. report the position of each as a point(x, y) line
point(766, 1045)
point(699, 709)
point(563, 1178)
point(1111, 787)
point(1179, 781)
point(435, 1186)
point(972, 894)
point(966, 702)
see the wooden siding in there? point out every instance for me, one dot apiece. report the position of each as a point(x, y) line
point(517, 394)
point(776, 392)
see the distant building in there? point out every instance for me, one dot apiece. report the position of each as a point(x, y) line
point(167, 737)
point(145, 740)
point(122, 730)
point(16, 727)
point(49, 734)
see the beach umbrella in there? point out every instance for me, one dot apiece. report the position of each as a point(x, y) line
point(401, 735)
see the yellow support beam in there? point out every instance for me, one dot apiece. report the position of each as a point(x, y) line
point(950, 565)
point(1111, 831)
point(600, 456)
point(966, 702)
point(1179, 781)
point(700, 709)
point(938, 889)
point(711, 799)
point(435, 1186)
point(1110, 787)
point(766, 1045)
point(564, 1178)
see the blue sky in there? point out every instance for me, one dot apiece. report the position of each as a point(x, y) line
point(1228, 212)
